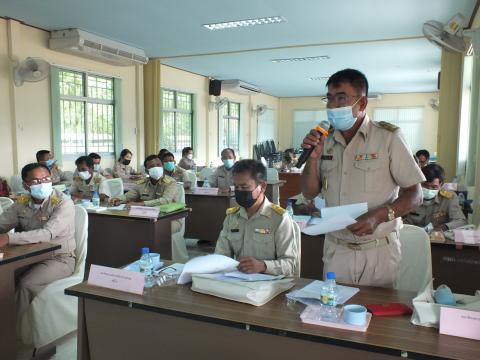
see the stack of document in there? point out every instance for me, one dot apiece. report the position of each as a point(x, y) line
point(310, 294)
point(240, 276)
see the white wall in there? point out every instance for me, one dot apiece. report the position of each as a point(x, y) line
point(25, 116)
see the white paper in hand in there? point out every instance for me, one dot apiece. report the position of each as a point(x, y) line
point(352, 210)
point(324, 226)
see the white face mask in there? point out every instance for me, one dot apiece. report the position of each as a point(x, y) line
point(41, 191)
point(429, 194)
point(84, 175)
point(155, 172)
point(96, 167)
point(190, 156)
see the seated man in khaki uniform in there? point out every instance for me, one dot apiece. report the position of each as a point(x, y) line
point(157, 189)
point(440, 207)
point(222, 177)
point(43, 215)
point(172, 170)
point(258, 233)
point(46, 158)
point(87, 181)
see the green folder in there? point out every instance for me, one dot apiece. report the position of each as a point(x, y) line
point(168, 208)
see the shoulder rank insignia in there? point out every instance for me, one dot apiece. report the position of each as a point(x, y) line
point(167, 180)
point(387, 126)
point(23, 199)
point(55, 200)
point(278, 209)
point(446, 194)
point(233, 210)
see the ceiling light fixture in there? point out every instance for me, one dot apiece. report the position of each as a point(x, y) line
point(245, 23)
point(300, 59)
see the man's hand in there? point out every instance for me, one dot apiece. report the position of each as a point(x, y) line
point(114, 201)
point(4, 239)
point(251, 265)
point(442, 227)
point(367, 223)
point(316, 140)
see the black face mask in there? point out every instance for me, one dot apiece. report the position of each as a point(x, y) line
point(126, 162)
point(244, 198)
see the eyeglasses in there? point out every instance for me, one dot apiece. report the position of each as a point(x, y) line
point(340, 99)
point(46, 179)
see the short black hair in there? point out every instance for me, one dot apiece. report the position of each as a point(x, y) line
point(94, 156)
point(40, 154)
point(124, 153)
point(423, 152)
point(229, 149)
point(150, 157)
point(354, 77)
point(162, 151)
point(433, 171)
point(29, 167)
point(165, 154)
point(186, 150)
point(257, 170)
point(85, 160)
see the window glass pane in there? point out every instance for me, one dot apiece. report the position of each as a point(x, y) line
point(234, 109)
point(184, 101)
point(71, 83)
point(100, 87)
point(177, 120)
point(72, 127)
point(100, 128)
point(183, 131)
point(168, 99)
point(168, 130)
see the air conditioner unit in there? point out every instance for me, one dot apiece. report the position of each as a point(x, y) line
point(82, 43)
point(240, 87)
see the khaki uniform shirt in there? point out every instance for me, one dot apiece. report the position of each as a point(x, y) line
point(178, 174)
point(370, 169)
point(163, 192)
point(57, 175)
point(53, 221)
point(443, 209)
point(186, 164)
point(221, 178)
point(97, 181)
point(268, 235)
point(122, 171)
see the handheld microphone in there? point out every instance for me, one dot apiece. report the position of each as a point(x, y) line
point(322, 128)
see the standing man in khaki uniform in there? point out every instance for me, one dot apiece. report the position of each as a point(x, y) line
point(87, 181)
point(259, 234)
point(440, 207)
point(44, 215)
point(46, 158)
point(157, 189)
point(361, 161)
point(222, 177)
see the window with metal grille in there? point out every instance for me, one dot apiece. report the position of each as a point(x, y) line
point(409, 120)
point(87, 108)
point(176, 124)
point(229, 126)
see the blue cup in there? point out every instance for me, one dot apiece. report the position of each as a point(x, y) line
point(355, 314)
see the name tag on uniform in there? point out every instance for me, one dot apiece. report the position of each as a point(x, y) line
point(360, 157)
point(326, 157)
point(235, 230)
point(262, 231)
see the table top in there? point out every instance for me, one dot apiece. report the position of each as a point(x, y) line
point(18, 252)
point(448, 242)
point(220, 194)
point(124, 214)
point(385, 334)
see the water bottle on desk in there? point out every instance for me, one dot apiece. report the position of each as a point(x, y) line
point(95, 199)
point(329, 295)
point(146, 267)
point(206, 184)
point(290, 208)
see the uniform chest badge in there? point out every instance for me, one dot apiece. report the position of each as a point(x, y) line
point(262, 231)
point(360, 157)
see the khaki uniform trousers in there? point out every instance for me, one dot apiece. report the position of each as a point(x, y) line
point(375, 263)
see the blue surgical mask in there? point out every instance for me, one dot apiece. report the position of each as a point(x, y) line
point(169, 165)
point(49, 163)
point(41, 191)
point(429, 194)
point(228, 163)
point(96, 167)
point(155, 172)
point(342, 118)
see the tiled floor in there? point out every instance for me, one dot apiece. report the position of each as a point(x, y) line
point(67, 346)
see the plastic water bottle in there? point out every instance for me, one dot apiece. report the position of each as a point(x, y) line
point(146, 267)
point(194, 168)
point(290, 208)
point(329, 295)
point(96, 199)
point(206, 184)
point(461, 199)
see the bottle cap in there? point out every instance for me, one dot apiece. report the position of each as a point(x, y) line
point(145, 250)
point(331, 275)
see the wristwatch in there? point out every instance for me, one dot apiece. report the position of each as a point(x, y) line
point(391, 213)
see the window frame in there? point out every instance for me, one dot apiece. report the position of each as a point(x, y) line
point(220, 127)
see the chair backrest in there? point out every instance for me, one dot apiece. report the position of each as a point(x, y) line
point(81, 235)
point(114, 187)
point(5, 203)
point(206, 173)
point(192, 178)
point(16, 184)
point(298, 240)
point(416, 265)
point(272, 174)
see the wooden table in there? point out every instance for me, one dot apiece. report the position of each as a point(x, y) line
point(116, 238)
point(15, 257)
point(291, 187)
point(456, 266)
point(174, 322)
point(208, 212)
